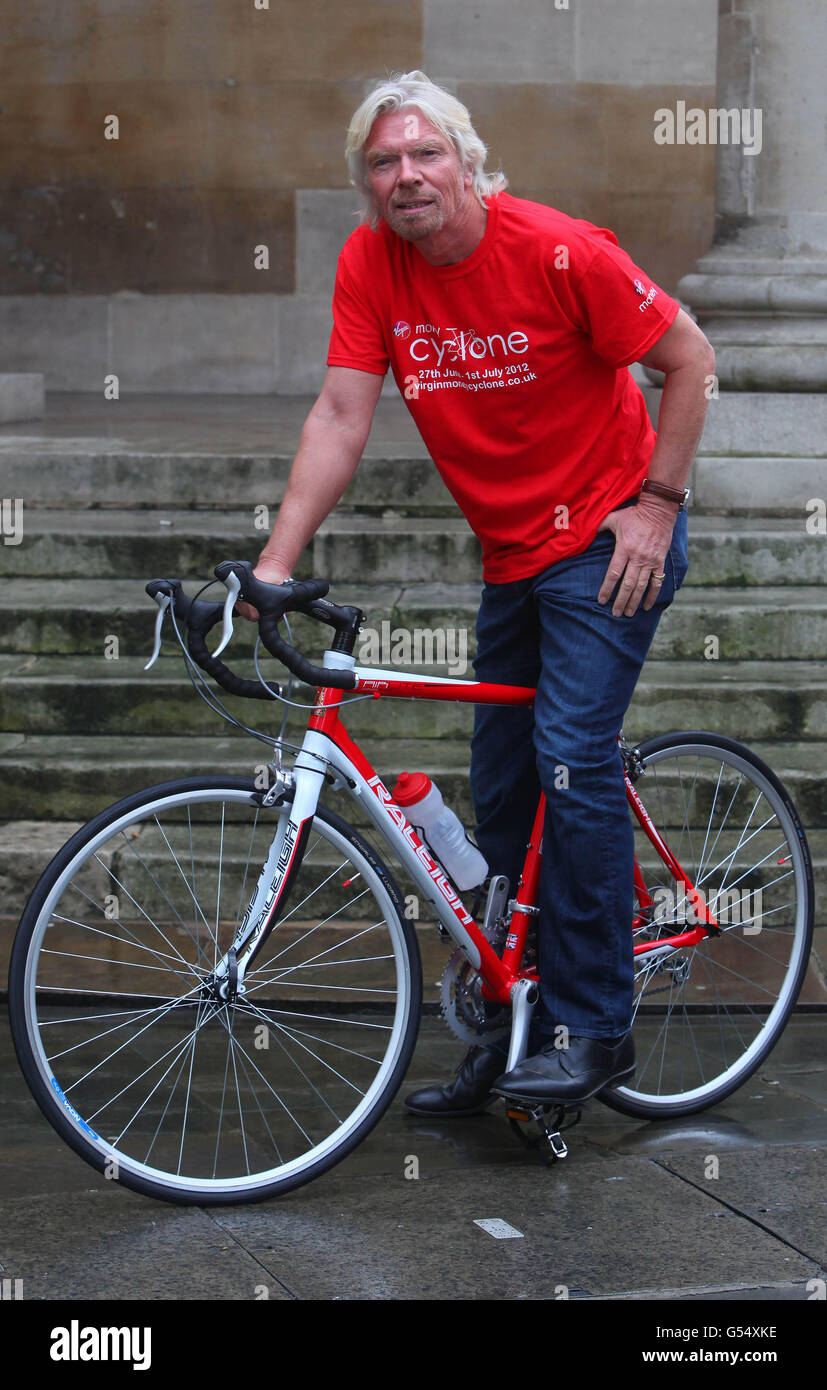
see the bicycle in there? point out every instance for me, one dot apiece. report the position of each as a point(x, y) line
point(215, 990)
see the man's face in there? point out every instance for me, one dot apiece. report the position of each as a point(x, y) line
point(414, 174)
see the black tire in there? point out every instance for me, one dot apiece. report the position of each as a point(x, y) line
point(65, 907)
point(686, 1059)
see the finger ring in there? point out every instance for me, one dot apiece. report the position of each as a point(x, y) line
point(658, 577)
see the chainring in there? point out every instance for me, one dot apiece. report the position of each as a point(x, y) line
point(470, 1017)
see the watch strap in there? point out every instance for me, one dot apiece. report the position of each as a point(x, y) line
point(680, 495)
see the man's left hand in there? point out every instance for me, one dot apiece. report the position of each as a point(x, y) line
point(643, 534)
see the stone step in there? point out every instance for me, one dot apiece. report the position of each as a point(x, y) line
point(28, 847)
point(723, 551)
point(79, 615)
point(90, 695)
point(705, 624)
point(792, 423)
point(138, 869)
point(47, 776)
point(80, 473)
point(759, 485)
point(86, 477)
point(135, 545)
point(761, 453)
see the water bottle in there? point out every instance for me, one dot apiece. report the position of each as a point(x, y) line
point(443, 830)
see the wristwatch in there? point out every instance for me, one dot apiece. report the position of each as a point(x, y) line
point(680, 495)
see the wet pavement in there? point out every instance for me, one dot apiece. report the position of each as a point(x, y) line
point(728, 1204)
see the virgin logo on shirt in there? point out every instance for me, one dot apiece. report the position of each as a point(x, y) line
point(401, 329)
point(463, 344)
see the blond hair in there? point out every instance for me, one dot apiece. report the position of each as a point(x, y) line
point(404, 89)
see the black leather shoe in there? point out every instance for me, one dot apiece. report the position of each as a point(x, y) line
point(569, 1074)
point(469, 1094)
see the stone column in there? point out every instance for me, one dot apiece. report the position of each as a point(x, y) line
point(760, 293)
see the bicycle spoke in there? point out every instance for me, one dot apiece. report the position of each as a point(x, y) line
point(185, 880)
point(282, 1029)
point(274, 1093)
point(145, 915)
point(337, 946)
point(88, 1042)
point(179, 1049)
point(112, 936)
point(106, 1061)
point(262, 1114)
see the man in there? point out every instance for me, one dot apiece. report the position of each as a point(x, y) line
point(509, 327)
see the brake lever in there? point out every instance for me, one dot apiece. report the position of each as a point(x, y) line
point(233, 590)
point(163, 602)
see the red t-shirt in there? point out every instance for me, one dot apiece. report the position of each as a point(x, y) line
point(512, 363)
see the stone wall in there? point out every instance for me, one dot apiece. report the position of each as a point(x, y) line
point(231, 127)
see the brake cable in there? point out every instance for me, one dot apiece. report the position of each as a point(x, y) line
point(216, 704)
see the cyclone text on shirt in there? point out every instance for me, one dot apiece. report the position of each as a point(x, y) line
point(464, 344)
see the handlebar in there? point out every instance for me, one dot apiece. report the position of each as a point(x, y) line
point(273, 601)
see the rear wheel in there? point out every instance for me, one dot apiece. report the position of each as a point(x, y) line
point(705, 1017)
point(133, 1058)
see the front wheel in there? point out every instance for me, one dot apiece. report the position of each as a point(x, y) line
point(133, 1059)
point(705, 1017)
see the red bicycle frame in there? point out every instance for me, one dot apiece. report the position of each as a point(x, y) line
point(499, 974)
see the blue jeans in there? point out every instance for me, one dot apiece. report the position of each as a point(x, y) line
point(550, 631)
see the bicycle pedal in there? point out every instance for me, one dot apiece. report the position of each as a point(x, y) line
point(550, 1137)
point(518, 1115)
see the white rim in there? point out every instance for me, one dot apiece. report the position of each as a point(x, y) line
point(339, 1136)
point(716, 752)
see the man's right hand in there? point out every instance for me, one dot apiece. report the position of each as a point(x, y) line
point(270, 572)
